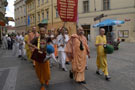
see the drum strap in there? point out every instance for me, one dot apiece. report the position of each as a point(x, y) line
point(38, 46)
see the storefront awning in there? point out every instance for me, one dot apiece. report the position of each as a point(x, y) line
point(2, 23)
point(10, 19)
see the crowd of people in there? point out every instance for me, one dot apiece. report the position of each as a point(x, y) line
point(67, 49)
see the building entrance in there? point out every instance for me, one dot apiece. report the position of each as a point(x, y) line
point(86, 31)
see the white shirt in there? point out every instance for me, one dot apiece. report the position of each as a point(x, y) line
point(8, 38)
point(61, 40)
point(4, 38)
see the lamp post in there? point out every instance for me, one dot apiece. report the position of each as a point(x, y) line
point(52, 11)
point(95, 5)
point(35, 13)
point(134, 3)
point(99, 17)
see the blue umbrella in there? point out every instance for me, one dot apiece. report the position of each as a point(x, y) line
point(108, 22)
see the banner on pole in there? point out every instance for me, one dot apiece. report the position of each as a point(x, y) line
point(28, 22)
point(67, 10)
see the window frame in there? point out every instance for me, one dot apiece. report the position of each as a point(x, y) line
point(86, 5)
point(56, 12)
point(47, 14)
point(106, 4)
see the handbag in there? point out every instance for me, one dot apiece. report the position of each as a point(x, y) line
point(81, 46)
point(38, 56)
point(71, 74)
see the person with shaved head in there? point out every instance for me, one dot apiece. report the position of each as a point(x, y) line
point(101, 55)
point(32, 35)
point(76, 51)
point(42, 68)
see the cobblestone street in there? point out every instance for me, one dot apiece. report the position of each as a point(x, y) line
point(20, 75)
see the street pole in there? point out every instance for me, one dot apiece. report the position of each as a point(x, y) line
point(26, 18)
point(52, 11)
point(134, 3)
point(35, 13)
point(95, 5)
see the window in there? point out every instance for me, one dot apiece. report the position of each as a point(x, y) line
point(106, 4)
point(33, 18)
point(46, 1)
point(24, 10)
point(20, 8)
point(33, 5)
point(42, 1)
point(123, 33)
point(42, 15)
point(18, 21)
point(57, 15)
point(28, 7)
point(38, 2)
point(85, 6)
point(24, 20)
point(38, 17)
point(47, 13)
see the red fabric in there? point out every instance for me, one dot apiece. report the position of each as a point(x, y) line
point(2, 23)
point(67, 10)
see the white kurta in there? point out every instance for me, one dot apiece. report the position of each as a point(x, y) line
point(61, 50)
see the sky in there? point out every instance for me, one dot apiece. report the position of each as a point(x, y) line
point(10, 10)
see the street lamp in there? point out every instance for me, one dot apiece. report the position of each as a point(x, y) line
point(95, 5)
point(52, 11)
point(99, 17)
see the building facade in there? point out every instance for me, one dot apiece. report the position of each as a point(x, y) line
point(20, 15)
point(38, 10)
point(3, 20)
point(111, 9)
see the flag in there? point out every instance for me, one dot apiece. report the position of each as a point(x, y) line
point(28, 21)
point(67, 10)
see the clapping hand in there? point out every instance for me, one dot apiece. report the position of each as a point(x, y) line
point(62, 45)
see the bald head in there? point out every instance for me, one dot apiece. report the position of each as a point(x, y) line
point(80, 28)
point(102, 31)
point(34, 29)
point(42, 31)
point(80, 31)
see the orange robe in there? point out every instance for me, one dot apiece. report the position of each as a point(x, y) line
point(76, 56)
point(42, 69)
point(43, 72)
point(56, 50)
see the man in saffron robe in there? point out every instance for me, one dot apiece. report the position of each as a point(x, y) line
point(76, 50)
point(32, 35)
point(42, 69)
point(101, 55)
